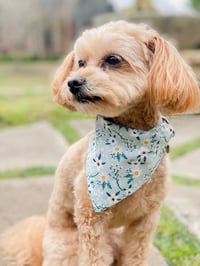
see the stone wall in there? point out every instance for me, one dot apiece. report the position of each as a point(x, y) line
point(184, 29)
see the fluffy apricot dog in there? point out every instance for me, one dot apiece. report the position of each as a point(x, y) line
point(109, 186)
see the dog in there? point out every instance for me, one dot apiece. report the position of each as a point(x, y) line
point(105, 203)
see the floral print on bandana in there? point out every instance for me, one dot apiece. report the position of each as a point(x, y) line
point(120, 160)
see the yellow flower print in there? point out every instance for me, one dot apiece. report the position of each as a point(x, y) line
point(103, 177)
point(116, 149)
point(146, 142)
point(136, 173)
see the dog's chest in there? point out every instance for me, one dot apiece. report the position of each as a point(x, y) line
point(129, 210)
point(143, 201)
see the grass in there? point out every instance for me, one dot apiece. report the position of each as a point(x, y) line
point(36, 171)
point(176, 243)
point(182, 149)
point(180, 180)
point(173, 239)
point(25, 97)
point(27, 59)
point(26, 77)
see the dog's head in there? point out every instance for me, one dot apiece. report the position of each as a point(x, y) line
point(119, 65)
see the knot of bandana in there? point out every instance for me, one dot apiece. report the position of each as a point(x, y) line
point(121, 159)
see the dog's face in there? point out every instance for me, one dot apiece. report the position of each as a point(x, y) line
point(109, 71)
point(113, 68)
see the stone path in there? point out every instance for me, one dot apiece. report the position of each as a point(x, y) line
point(41, 145)
point(187, 128)
point(192, 160)
point(185, 202)
point(22, 198)
point(23, 147)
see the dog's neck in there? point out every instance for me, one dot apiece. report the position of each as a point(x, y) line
point(139, 117)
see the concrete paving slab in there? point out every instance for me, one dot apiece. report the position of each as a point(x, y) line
point(34, 145)
point(155, 258)
point(187, 128)
point(21, 198)
point(83, 126)
point(185, 202)
point(187, 165)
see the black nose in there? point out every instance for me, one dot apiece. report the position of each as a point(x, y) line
point(76, 84)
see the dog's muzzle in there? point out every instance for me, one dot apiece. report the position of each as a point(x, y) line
point(78, 87)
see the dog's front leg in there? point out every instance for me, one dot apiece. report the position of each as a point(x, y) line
point(94, 247)
point(60, 242)
point(60, 247)
point(137, 240)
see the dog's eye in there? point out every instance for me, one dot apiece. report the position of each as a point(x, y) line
point(81, 63)
point(113, 60)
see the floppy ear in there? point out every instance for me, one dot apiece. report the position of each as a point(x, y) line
point(60, 75)
point(171, 82)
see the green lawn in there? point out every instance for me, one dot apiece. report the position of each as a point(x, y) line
point(182, 180)
point(173, 239)
point(36, 171)
point(182, 149)
point(25, 97)
point(176, 243)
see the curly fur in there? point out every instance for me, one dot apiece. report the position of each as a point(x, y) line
point(153, 78)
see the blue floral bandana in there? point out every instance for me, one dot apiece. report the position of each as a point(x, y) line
point(120, 160)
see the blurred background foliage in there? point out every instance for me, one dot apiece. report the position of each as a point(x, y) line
point(46, 29)
point(196, 4)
